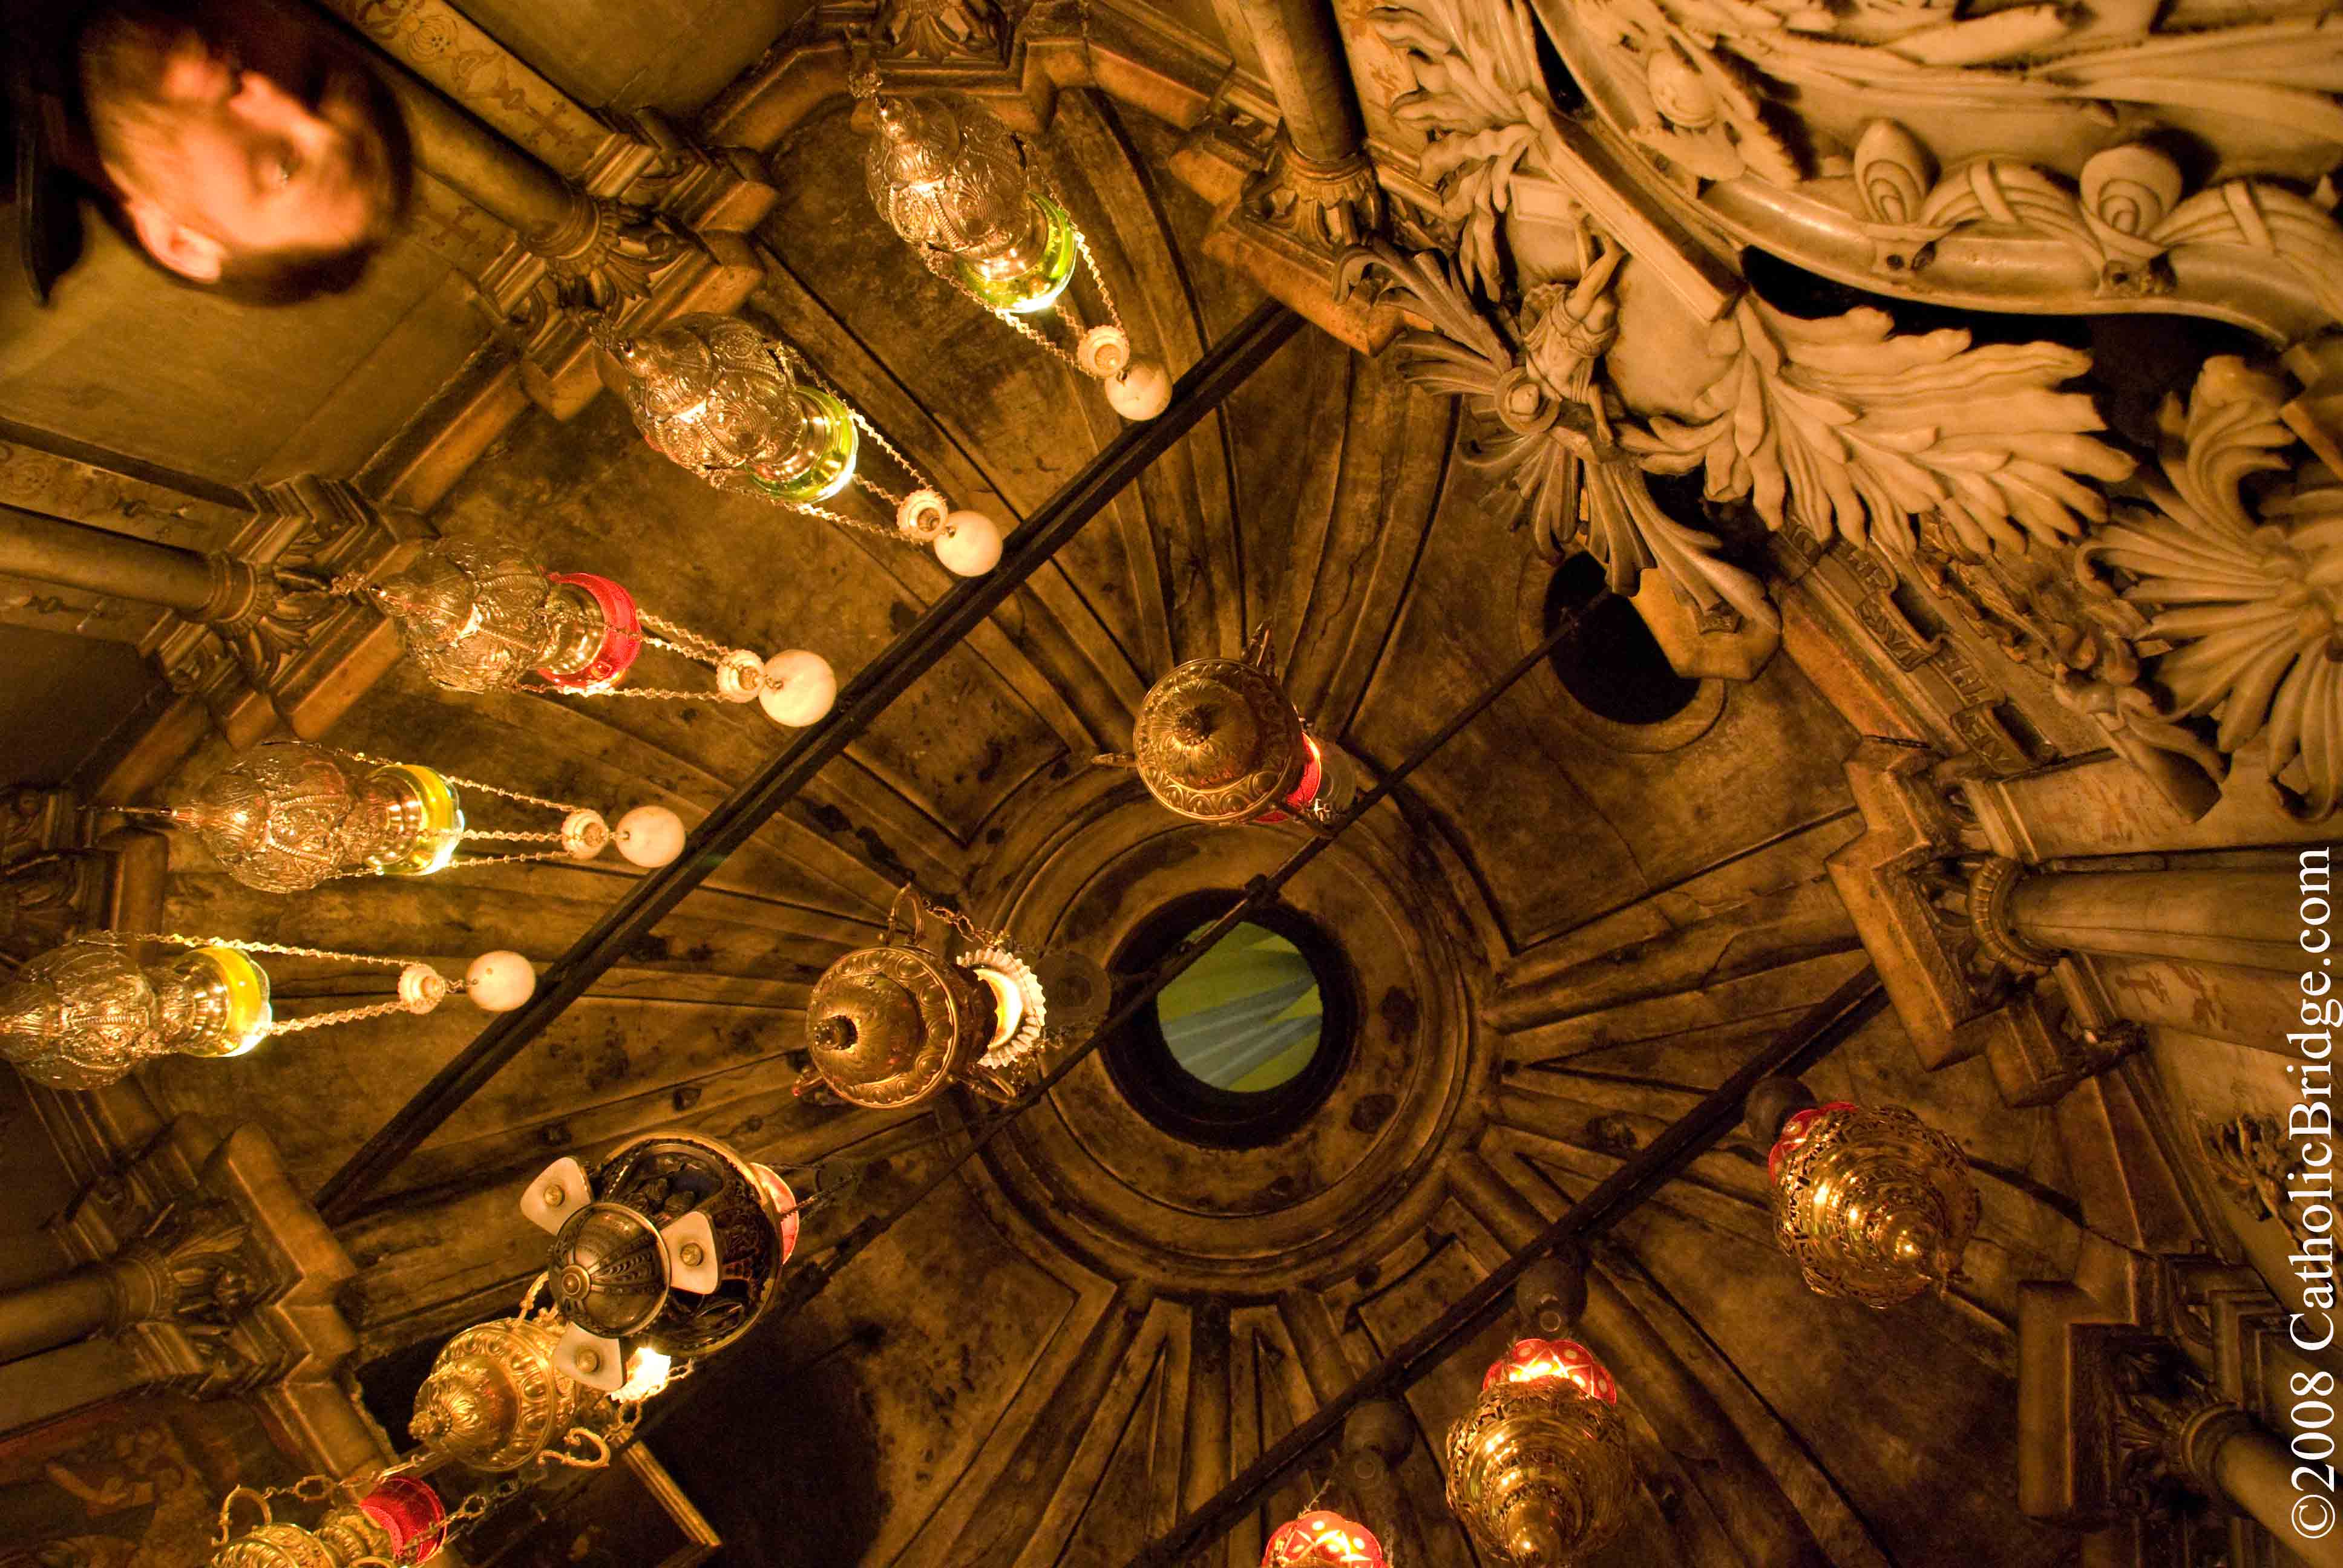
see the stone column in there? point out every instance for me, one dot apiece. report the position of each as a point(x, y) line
point(1302, 55)
point(2243, 916)
point(209, 588)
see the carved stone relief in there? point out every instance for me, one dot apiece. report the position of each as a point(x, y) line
point(1961, 153)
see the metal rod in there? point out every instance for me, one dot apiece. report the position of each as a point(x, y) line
point(1853, 1004)
point(1224, 367)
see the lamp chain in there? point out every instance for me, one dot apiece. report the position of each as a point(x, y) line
point(564, 807)
point(245, 947)
point(1041, 166)
point(681, 639)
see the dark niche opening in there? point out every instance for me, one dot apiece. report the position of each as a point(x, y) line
point(1610, 662)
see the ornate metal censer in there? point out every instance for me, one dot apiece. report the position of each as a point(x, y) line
point(1875, 1205)
point(1539, 1470)
point(1219, 741)
point(892, 1025)
point(674, 1244)
point(496, 1400)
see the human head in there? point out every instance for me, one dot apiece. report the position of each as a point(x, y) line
point(249, 149)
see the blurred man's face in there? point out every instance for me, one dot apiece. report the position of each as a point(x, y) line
point(237, 137)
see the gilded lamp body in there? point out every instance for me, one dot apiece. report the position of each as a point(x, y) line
point(1539, 1470)
point(949, 179)
point(81, 1015)
point(496, 1400)
point(892, 1025)
point(287, 816)
point(716, 395)
point(485, 618)
point(1217, 740)
point(1875, 1205)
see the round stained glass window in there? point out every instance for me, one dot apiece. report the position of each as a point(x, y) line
point(1238, 1049)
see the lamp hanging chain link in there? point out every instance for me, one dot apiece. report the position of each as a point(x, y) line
point(974, 934)
point(1040, 162)
point(681, 639)
point(315, 1021)
point(802, 367)
point(564, 807)
point(284, 948)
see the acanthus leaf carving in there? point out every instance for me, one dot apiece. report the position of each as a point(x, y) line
point(1843, 426)
point(942, 30)
point(2245, 593)
point(1545, 426)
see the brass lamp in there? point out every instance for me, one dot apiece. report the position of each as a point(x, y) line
point(956, 184)
point(400, 1521)
point(1539, 1470)
point(673, 1244)
point(892, 1025)
point(1323, 1539)
point(288, 815)
point(747, 414)
point(1217, 740)
point(487, 618)
point(83, 1014)
point(1876, 1206)
point(496, 1400)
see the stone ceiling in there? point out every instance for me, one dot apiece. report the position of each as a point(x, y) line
point(1563, 936)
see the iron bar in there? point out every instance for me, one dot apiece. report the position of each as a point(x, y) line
point(1223, 367)
point(1855, 1003)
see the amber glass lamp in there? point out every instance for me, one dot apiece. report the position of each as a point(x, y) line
point(955, 183)
point(1323, 1539)
point(748, 413)
point(1876, 1205)
point(1540, 1471)
point(83, 1014)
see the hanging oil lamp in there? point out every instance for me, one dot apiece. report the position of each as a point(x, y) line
point(1876, 1206)
point(749, 414)
point(398, 1521)
point(485, 618)
point(288, 815)
point(674, 1244)
point(892, 1026)
point(497, 1399)
point(1540, 1469)
point(957, 185)
point(1217, 740)
point(82, 1015)
point(1323, 1539)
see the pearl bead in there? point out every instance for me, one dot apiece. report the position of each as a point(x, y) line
point(969, 545)
point(649, 836)
point(1142, 391)
point(500, 981)
point(799, 687)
